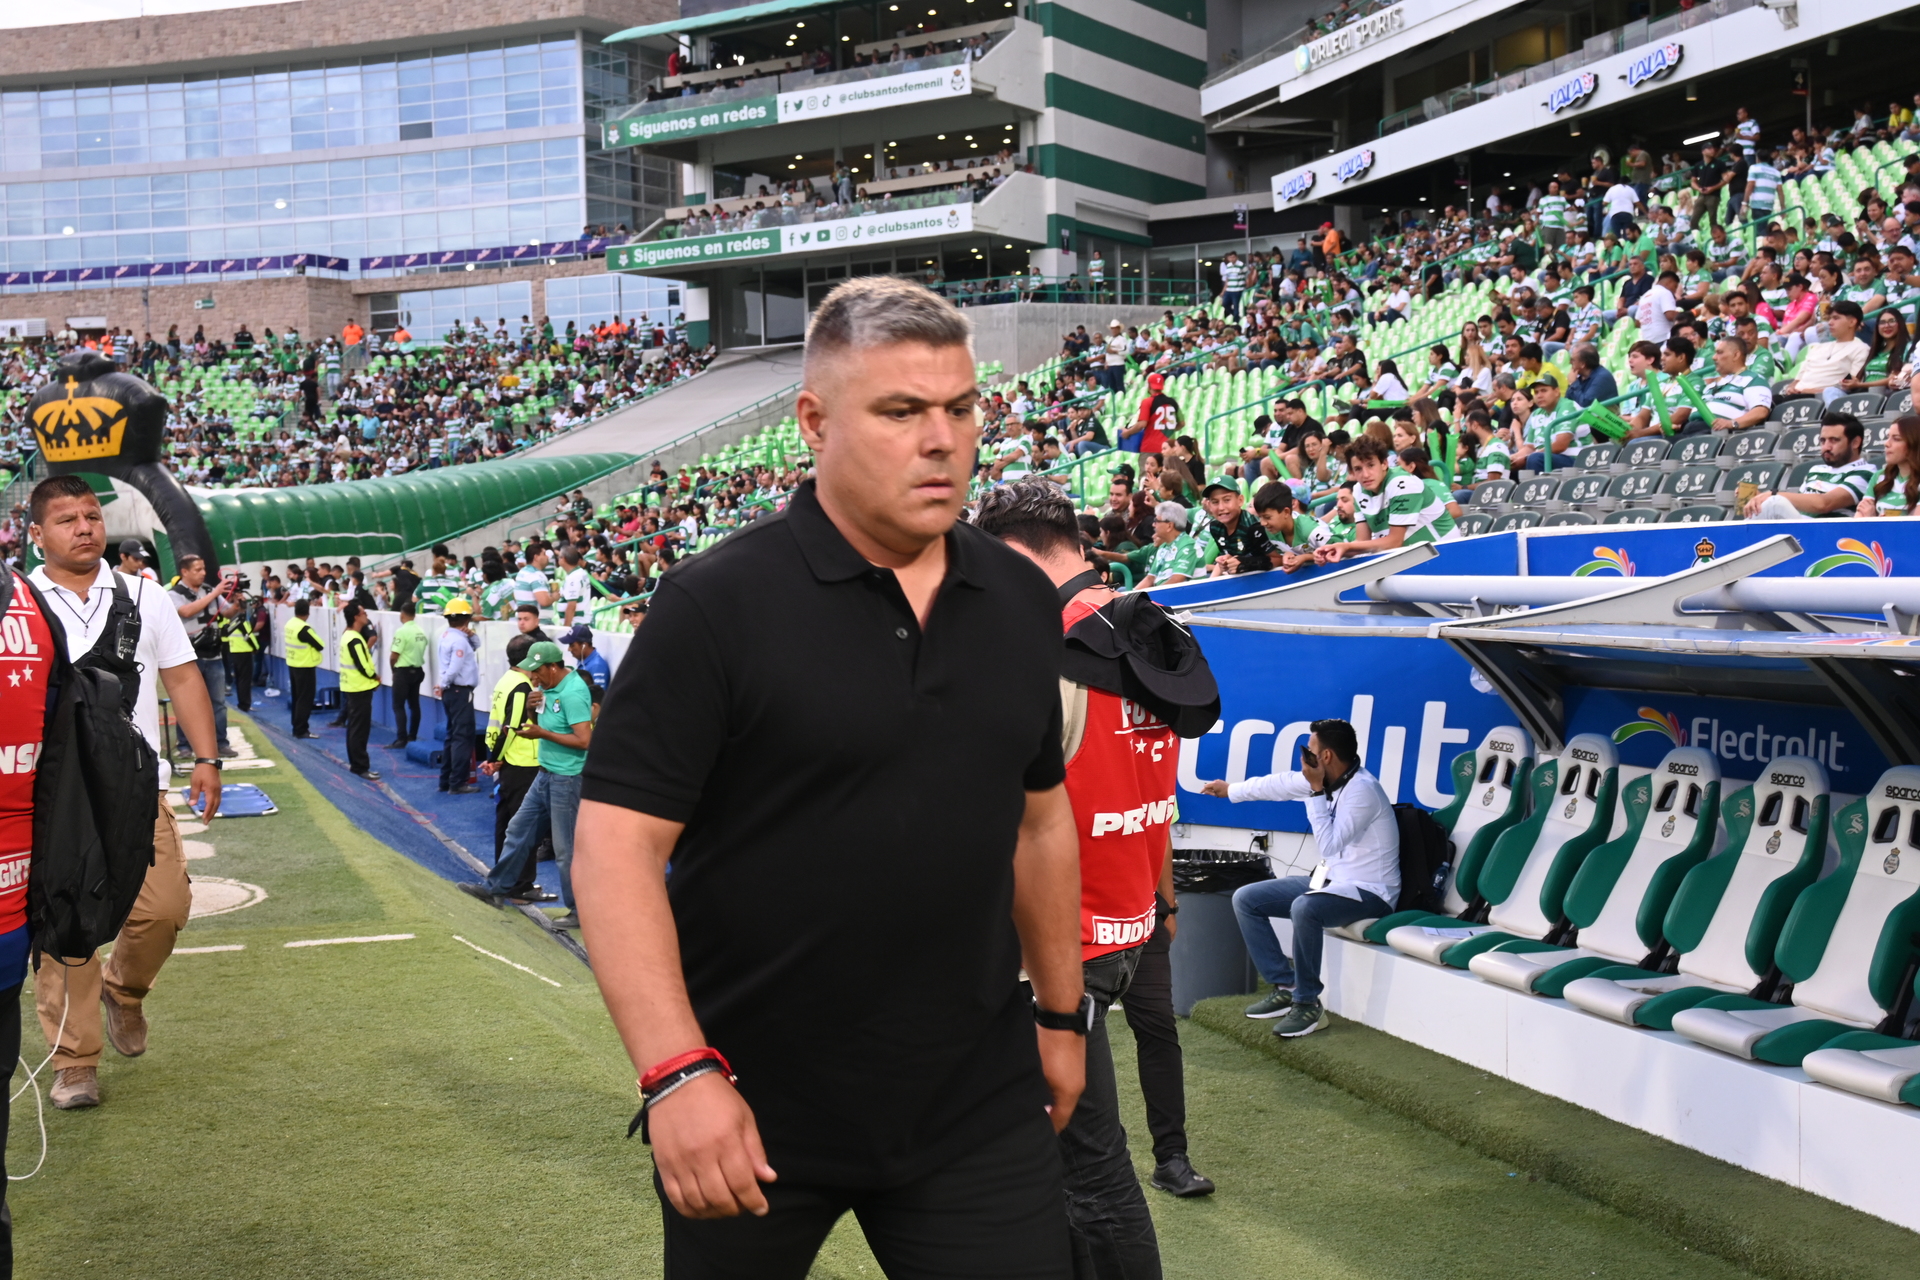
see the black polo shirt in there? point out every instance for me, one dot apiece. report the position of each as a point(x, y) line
point(852, 789)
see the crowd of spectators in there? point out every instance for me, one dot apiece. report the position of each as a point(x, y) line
point(274, 410)
point(905, 53)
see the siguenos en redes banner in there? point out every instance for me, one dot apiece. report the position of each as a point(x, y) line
point(874, 228)
point(696, 121)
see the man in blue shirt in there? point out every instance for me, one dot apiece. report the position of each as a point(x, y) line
point(587, 659)
point(1591, 380)
point(457, 671)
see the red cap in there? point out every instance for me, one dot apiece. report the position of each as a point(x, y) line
point(1155, 381)
point(1326, 226)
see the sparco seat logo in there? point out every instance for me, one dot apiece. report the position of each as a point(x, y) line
point(1902, 793)
point(1791, 780)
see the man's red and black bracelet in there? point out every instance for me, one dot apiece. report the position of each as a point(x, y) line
point(665, 1077)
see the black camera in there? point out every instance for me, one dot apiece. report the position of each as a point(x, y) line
point(241, 583)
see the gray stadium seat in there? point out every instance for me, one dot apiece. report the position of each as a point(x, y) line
point(1634, 486)
point(1861, 403)
point(1689, 451)
point(1583, 490)
point(1474, 521)
point(1763, 472)
point(1559, 518)
point(1636, 455)
point(1696, 513)
point(1488, 495)
point(1849, 946)
point(1876, 437)
point(1743, 445)
point(1688, 483)
point(1535, 492)
point(1632, 515)
point(1729, 911)
point(1797, 412)
point(1522, 519)
point(1899, 403)
point(1599, 457)
point(1800, 442)
point(1621, 893)
point(1796, 474)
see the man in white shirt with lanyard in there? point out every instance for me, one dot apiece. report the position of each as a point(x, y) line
point(1358, 837)
point(576, 587)
point(1233, 283)
point(70, 532)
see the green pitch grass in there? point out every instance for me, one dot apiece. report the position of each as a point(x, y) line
point(417, 1108)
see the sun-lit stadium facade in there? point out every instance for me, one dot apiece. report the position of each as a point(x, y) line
point(309, 163)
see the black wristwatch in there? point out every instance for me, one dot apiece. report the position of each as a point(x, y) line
point(1080, 1021)
point(215, 761)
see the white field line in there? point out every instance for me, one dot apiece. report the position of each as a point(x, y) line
point(332, 942)
point(201, 951)
point(503, 960)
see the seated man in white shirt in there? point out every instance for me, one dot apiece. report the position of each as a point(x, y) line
point(1827, 363)
point(1358, 838)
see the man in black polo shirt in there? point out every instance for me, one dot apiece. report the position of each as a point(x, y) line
point(846, 790)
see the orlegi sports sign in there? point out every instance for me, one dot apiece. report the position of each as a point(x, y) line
point(847, 233)
point(1350, 38)
point(778, 108)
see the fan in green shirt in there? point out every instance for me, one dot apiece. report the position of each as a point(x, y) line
point(1290, 527)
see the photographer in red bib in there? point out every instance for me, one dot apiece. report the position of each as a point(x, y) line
point(1120, 737)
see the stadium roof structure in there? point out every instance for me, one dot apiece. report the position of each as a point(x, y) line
point(746, 15)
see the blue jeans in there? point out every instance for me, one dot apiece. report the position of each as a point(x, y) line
point(1537, 461)
point(1312, 915)
point(214, 672)
point(554, 796)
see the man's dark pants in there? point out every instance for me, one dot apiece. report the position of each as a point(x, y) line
point(300, 697)
point(359, 726)
point(1112, 1230)
point(514, 779)
point(242, 680)
point(991, 1213)
point(406, 702)
point(1156, 1044)
point(456, 762)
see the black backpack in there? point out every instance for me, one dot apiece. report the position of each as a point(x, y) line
point(1425, 854)
point(95, 796)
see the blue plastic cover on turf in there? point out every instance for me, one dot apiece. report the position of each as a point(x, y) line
point(239, 800)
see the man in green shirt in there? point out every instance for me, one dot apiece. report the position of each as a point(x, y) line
point(563, 726)
point(1174, 555)
point(408, 659)
point(1291, 529)
point(1551, 425)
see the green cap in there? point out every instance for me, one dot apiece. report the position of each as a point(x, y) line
point(543, 653)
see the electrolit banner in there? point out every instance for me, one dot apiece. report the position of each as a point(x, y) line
point(1744, 733)
point(873, 228)
point(1414, 703)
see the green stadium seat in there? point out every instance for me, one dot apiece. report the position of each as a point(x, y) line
point(1526, 874)
point(1726, 917)
point(1620, 895)
point(1848, 946)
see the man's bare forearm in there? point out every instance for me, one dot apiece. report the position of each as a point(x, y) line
point(1046, 898)
point(619, 876)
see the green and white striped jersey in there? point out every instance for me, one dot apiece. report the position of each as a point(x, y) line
point(1856, 477)
point(1735, 394)
point(1408, 502)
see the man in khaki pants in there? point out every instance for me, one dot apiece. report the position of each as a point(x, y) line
point(70, 532)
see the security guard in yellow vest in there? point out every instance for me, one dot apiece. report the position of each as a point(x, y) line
point(516, 759)
point(243, 641)
point(359, 677)
point(302, 648)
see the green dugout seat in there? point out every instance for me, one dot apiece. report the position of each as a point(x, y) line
point(1489, 796)
point(1525, 876)
point(1619, 897)
point(1726, 918)
point(1865, 1062)
point(1848, 945)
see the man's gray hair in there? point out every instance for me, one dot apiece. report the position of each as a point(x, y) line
point(1173, 513)
point(877, 311)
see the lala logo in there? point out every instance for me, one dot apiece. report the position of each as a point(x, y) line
point(1571, 806)
point(1653, 65)
point(1892, 864)
point(1653, 720)
point(1852, 551)
point(1488, 797)
point(1773, 843)
point(1666, 828)
point(1607, 560)
point(1296, 186)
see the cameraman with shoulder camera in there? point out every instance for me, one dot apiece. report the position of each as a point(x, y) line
point(1358, 839)
point(202, 612)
